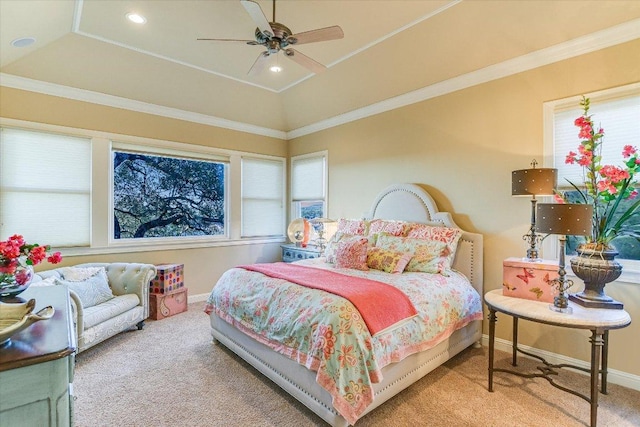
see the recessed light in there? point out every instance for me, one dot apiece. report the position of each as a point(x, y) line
point(23, 42)
point(275, 68)
point(134, 17)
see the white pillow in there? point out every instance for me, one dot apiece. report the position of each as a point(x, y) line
point(49, 281)
point(79, 274)
point(92, 291)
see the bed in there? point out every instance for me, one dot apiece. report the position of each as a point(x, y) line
point(316, 382)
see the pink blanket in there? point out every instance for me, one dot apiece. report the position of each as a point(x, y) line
point(380, 305)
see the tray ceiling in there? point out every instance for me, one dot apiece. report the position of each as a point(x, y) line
point(389, 48)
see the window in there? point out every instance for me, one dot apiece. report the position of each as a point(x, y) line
point(81, 191)
point(262, 197)
point(309, 185)
point(45, 187)
point(166, 196)
point(619, 111)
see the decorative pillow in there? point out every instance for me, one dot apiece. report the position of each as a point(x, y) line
point(352, 226)
point(79, 274)
point(448, 235)
point(49, 281)
point(429, 256)
point(92, 291)
point(395, 228)
point(388, 261)
point(332, 245)
point(352, 253)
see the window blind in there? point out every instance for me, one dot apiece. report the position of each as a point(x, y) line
point(620, 119)
point(262, 197)
point(45, 187)
point(308, 178)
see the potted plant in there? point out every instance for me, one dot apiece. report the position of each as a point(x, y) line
point(605, 187)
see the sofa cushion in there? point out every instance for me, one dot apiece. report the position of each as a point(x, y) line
point(91, 291)
point(109, 309)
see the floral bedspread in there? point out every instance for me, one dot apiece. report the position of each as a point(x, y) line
point(325, 333)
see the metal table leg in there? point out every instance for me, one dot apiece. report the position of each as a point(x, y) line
point(605, 361)
point(492, 338)
point(514, 347)
point(596, 344)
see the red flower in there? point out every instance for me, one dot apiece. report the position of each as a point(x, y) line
point(55, 258)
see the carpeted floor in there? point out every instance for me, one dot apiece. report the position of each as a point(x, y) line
point(170, 374)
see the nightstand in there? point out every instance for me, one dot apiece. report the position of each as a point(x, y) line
point(599, 321)
point(291, 252)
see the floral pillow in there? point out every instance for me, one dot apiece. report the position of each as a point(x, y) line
point(429, 256)
point(91, 291)
point(352, 253)
point(332, 245)
point(352, 226)
point(448, 235)
point(388, 261)
point(395, 228)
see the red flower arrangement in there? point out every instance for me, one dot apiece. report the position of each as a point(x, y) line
point(605, 186)
point(16, 255)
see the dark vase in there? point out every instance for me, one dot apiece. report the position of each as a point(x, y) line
point(596, 268)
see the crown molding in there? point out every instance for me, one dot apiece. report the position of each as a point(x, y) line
point(84, 95)
point(592, 42)
point(582, 45)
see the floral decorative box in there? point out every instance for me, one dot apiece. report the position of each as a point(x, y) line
point(529, 280)
point(161, 306)
point(170, 278)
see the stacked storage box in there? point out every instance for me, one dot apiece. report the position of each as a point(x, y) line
point(167, 293)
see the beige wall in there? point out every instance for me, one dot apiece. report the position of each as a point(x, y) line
point(463, 147)
point(203, 266)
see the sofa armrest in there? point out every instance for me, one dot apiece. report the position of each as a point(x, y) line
point(78, 313)
point(129, 278)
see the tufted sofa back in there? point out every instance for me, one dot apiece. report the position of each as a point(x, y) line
point(124, 278)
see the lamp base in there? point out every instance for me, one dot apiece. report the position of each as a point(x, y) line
point(566, 310)
point(607, 302)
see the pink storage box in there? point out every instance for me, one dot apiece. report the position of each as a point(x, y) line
point(529, 280)
point(161, 306)
point(170, 278)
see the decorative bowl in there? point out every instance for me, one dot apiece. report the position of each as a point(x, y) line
point(17, 317)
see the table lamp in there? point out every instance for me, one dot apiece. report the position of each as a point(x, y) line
point(563, 219)
point(324, 230)
point(533, 182)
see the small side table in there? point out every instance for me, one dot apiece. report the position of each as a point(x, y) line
point(291, 252)
point(598, 321)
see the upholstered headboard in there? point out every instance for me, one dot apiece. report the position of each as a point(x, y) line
point(410, 202)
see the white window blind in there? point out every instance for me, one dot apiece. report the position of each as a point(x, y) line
point(262, 197)
point(45, 187)
point(308, 178)
point(620, 119)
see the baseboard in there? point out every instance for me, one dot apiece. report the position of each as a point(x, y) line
point(197, 298)
point(614, 377)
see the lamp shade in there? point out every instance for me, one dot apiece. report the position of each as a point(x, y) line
point(564, 218)
point(536, 181)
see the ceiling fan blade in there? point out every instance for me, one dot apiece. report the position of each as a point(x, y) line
point(258, 66)
point(319, 35)
point(231, 40)
point(258, 17)
point(305, 61)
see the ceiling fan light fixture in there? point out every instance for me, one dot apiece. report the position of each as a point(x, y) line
point(136, 18)
point(275, 68)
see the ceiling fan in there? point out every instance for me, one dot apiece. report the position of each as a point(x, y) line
point(277, 37)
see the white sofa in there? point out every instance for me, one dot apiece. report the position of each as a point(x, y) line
point(129, 283)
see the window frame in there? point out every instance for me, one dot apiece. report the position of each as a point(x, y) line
point(550, 245)
point(294, 211)
point(101, 205)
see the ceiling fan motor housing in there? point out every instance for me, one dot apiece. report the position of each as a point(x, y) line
point(281, 37)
